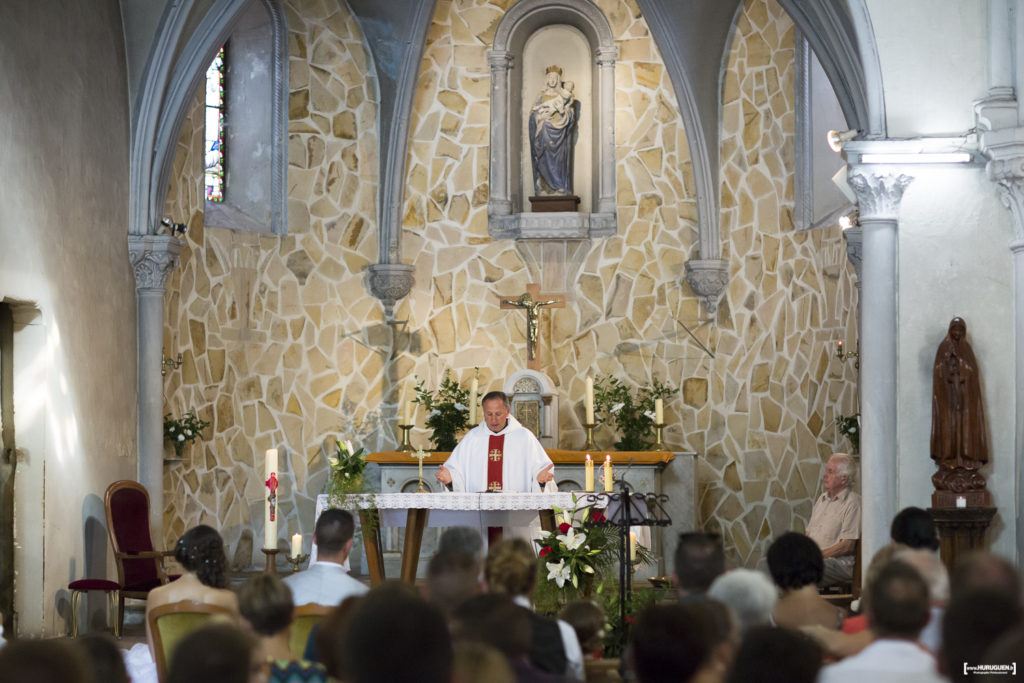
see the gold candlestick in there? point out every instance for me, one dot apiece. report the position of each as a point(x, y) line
point(589, 445)
point(271, 554)
point(420, 455)
point(297, 560)
point(659, 443)
point(405, 446)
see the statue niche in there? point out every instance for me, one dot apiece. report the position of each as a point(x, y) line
point(958, 442)
point(553, 129)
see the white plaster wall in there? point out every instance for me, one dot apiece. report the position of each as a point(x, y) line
point(954, 261)
point(63, 226)
point(934, 63)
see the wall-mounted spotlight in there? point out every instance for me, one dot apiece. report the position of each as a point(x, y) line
point(174, 229)
point(850, 220)
point(837, 138)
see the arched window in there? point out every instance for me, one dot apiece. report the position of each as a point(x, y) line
point(245, 139)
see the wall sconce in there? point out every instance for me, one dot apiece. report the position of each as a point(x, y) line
point(836, 138)
point(843, 356)
point(175, 229)
point(175, 363)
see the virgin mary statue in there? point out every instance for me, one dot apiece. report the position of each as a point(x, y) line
point(553, 121)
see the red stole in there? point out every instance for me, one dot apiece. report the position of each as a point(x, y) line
point(495, 453)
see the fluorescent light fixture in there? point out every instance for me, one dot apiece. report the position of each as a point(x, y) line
point(920, 158)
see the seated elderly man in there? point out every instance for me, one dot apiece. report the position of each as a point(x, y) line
point(835, 520)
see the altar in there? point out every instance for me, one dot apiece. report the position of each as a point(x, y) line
point(671, 473)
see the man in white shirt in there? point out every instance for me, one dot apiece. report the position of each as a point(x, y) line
point(327, 582)
point(835, 520)
point(499, 454)
point(897, 610)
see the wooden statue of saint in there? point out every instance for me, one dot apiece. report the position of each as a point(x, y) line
point(958, 441)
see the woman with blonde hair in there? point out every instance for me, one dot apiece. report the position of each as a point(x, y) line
point(511, 569)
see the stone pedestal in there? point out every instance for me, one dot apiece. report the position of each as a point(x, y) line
point(551, 203)
point(961, 531)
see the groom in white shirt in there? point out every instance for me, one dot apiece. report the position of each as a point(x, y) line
point(327, 582)
point(499, 454)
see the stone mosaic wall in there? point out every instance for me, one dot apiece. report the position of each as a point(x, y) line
point(284, 347)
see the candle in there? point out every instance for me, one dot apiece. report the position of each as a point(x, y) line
point(961, 502)
point(839, 347)
point(632, 546)
point(410, 412)
point(270, 504)
point(296, 545)
point(588, 400)
point(473, 389)
point(608, 474)
point(590, 474)
point(659, 411)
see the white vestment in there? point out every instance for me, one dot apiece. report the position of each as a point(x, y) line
point(522, 459)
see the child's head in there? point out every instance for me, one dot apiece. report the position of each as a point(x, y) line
point(567, 88)
point(588, 620)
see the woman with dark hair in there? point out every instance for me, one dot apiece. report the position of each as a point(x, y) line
point(217, 653)
point(914, 527)
point(200, 551)
point(796, 566)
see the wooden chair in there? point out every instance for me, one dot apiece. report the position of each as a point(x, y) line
point(852, 590)
point(170, 623)
point(139, 567)
point(304, 618)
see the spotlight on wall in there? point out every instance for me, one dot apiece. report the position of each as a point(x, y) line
point(174, 229)
point(850, 220)
point(836, 138)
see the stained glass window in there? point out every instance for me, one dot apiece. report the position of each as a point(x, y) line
point(213, 147)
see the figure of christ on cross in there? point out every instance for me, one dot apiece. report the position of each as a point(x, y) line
point(532, 303)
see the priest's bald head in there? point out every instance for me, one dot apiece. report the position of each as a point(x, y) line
point(496, 408)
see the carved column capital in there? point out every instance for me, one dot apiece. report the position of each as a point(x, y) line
point(389, 282)
point(878, 194)
point(1005, 168)
point(153, 258)
point(708, 278)
point(499, 60)
point(854, 249)
point(606, 56)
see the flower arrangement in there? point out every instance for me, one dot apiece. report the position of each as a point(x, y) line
point(580, 550)
point(849, 426)
point(447, 411)
point(633, 416)
point(346, 470)
point(183, 431)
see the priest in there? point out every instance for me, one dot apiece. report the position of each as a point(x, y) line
point(498, 455)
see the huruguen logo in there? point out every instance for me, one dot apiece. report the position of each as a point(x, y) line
point(991, 669)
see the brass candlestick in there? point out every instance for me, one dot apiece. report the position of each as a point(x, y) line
point(271, 554)
point(659, 443)
point(420, 455)
point(589, 445)
point(405, 447)
point(297, 560)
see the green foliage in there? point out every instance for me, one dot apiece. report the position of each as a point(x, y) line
point(183, 430)
point(346, 470)
point(617, 633)
point(849, 426)
point(447, 411)
point(633, 416)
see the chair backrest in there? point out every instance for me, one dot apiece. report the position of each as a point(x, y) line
point(127, 506)
point(304, 618)
point(170, 623)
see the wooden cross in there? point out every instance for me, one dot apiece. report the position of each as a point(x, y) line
point(532, 302)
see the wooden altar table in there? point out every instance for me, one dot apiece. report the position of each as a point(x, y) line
point(415, 511)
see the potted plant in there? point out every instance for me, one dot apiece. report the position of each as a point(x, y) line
point(346, 467)
point(447, 411)
point(849, 426)
point(632, 415)
point(183, 431)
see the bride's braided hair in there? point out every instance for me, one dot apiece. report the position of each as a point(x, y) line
point(201, 550)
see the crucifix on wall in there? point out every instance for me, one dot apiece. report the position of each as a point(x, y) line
point(532, 302)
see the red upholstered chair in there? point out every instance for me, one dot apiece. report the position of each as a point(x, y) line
point(139, 567)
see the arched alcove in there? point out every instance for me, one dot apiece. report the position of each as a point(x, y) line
point(507, 213)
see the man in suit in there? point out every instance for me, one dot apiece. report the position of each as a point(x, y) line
point(327, 582)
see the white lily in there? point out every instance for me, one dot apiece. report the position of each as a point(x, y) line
point(332, 460)
point(460, 407)
point(572, 540)
point(649, 414)
point(348, 447)
point(559, 572)
point(617, 407)
point(181, 437)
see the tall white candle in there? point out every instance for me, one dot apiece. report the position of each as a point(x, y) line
point(474, 388)
point(632, 546)
point(296, 545)
point(609, 477)
point(588, 400)
point(659, 411)
point(270, 508)
point(410, 410)
point(589, 474)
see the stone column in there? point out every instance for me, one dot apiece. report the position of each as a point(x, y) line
point(1005, 150)
point(499, 202)
point(153, 257)
point(879, 195)
point(606, 57)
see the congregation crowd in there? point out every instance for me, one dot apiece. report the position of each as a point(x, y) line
point(472, 620)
